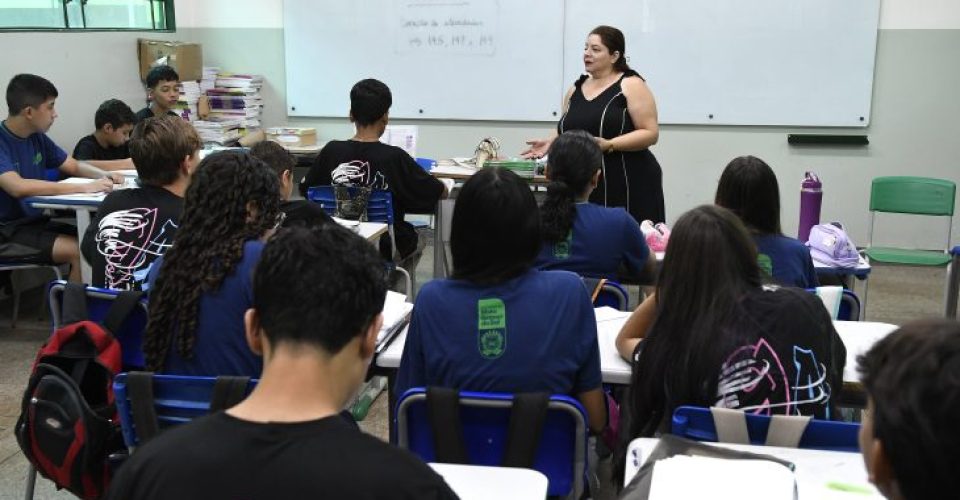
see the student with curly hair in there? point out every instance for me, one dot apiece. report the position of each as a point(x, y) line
point(202, 287)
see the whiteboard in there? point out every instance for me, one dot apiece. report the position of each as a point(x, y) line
point(442, 59)
point(724, 62)
point(742, 62)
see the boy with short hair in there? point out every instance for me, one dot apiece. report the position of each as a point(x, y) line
point(162, 92)
point(114, 120)
point(909, 436)
point(26, 153)
point(365, 161)
point(287, 439)
point(134, 227)
point(298, 212)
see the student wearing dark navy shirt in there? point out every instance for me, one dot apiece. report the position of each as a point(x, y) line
point(315, 314)
point(498, 324)
point(26, 155)
point(748, 187)
point(588, 239)
point(201, 288)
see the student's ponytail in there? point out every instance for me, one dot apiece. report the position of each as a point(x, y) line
point(557, 212)
point(572, 161)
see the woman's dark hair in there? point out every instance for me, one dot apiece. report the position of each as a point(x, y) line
point(572, 161)
point(613, 40)
point(496, 228)
point(711, 266)
point(370, 99)
point(232, 198)
point(913, 379)
point(748, 187)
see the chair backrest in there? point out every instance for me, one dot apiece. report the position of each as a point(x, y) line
point(913, 195)
point(99, 300)
point(696, 423)
point(177, 400)
point(426, 163)
point(562, 452)
point(379, 206)
point(849, 307)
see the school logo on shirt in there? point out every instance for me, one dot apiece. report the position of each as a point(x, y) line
point(491, 328)
point(765, 263)
point(561, 250)
point(38, 158)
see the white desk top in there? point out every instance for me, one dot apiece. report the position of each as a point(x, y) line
point(815, 469)
point(477, 482)
point(857, 336)
point(79, 200)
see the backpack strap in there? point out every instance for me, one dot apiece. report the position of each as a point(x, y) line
point(74, 306)
point(120, 309)
point(140, 392)
point(443, 408)
point(227, 392)
point(526, 425)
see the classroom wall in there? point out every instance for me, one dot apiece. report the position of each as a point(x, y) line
point(913, 129)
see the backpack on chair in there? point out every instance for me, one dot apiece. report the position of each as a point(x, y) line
point(68, 421)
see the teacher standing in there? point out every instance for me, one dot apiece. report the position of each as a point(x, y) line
point(613, 103)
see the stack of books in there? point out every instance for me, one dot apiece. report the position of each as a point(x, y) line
point(187, 104)
point(209, 78)
point(236, 97)
point(219, 133)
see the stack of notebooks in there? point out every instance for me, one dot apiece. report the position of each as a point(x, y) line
point(209, 78)
point(220, 133)
point(237, 97)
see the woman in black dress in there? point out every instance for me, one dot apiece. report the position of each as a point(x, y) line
point(613, 103)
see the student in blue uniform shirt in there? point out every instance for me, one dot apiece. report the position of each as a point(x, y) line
point(748, 187)
point(202, 286)
point(500, 325)
point(26, 155)
point(588, 239)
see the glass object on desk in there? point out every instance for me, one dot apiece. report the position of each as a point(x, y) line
point(352, 202)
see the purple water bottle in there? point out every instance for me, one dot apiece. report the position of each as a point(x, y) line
point(811, 197)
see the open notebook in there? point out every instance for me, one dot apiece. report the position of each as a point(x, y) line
point(396, 314)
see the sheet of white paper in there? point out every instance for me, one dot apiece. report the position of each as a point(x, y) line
point(720, 478)
point(607, 313)
point(395, 309)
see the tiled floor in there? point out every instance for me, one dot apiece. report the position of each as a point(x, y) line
point(896, 295)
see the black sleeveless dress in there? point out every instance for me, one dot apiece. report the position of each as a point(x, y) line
point(629, 179)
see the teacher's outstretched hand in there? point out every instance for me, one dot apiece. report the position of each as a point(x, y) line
point(613, 103)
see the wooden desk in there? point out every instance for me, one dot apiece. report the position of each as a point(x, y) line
point(477, 482)
point(815, 469)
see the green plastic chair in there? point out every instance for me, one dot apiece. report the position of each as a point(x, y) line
point(916, 196)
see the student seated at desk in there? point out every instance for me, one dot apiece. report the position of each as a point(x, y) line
point(26, 153)
point(298, 212)
point(134, 227)
point(162, 93)
point(499, 324)
point(909, 436)
point(114, 121)
point(365, 161)
point(579, 236)
point(317, 299)
point(748, 187)
point(201, 287)
point(714, 335)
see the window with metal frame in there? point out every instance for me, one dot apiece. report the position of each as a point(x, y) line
point(80, 15)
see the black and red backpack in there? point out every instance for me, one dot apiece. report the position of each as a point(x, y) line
point(68, 423)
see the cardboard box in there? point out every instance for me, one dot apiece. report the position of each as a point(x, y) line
point(185, 58)
point(293, 136)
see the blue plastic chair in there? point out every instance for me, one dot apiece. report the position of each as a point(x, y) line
point(696, 423)
point(849, 305)
point(379, 209)
point(177, 400)
point(562, 452)
point(426, 163)
point(99, 300)
point(613, 294)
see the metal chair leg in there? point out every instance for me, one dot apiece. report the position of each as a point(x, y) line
point(31, 482)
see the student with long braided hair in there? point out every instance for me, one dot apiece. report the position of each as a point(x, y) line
point(203, 286)
point(588, 239)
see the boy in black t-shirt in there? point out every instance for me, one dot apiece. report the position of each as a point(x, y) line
point(114, 121)
point(298, 212)
point(162, 92)
point(365, 161)
point(909, 436)
point(135, 226)
point(287, 439)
